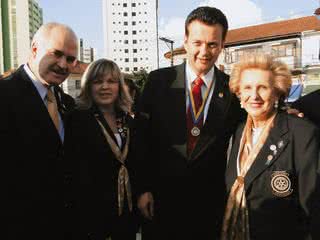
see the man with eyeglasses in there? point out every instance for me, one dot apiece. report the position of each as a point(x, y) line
point(33, 178)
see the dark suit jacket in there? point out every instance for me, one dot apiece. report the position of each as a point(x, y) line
point(96, 170)
point(32, 167)
point(291, 210)
point(189, 192)
point(308, 104)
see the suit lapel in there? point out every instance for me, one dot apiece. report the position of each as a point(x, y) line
point(176, 111)
point(272, 149)
point(216, 115)
point(231, 171)
point(32, 110)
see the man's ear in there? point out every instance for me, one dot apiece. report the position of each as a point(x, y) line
point(185, 41)
point(34, 49)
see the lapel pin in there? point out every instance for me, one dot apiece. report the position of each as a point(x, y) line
point(221, 95)
point(269, 159)
point(280, 144)
point(273, 147)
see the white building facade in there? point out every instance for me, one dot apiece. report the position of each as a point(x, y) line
point(20, 20)
point(131, 34)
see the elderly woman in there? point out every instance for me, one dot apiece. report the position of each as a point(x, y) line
point(99, 141)
point(272, 174)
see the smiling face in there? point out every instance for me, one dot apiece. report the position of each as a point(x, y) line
point(52, 55)
point(105, 91)
point(257, 93)
point(203, 45)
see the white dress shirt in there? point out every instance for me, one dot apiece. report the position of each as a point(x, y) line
point(42, 90)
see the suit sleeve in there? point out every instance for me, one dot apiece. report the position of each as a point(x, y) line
point(144, 137)
point(6, 139)
point(307, 160)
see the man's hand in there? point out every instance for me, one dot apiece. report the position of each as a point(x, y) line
point(145, 204)
point(295, 112)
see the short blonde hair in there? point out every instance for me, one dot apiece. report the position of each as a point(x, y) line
point(280, 73)
point(98, 69)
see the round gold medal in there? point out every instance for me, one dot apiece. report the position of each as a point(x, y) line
point(195, 131)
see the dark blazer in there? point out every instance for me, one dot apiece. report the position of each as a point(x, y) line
point(189, 192)
point(96, 171)
point(308, 104)
point(33, 180)
point(282, 187)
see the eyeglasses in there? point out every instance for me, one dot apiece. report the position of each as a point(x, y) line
point(60, 54)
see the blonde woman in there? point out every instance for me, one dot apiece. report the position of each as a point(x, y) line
point(273, 173)
point(99, 141)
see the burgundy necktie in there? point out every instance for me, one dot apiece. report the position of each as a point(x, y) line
point(192, 127)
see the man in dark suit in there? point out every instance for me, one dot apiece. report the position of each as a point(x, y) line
point(186, 136)
point(32, 110)
point(308, 106)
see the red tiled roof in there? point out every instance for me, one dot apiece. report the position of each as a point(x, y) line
point(274, 29)
point(265, 31)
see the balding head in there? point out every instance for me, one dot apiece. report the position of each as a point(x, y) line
point(53, 51)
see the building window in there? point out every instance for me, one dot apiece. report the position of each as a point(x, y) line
point(78, 84)
point(133, 4)
point(133, 14)
point(126, 50)
point(125, 32)
point(126, 59)
point(133, 23)
point(134, 32)
point(134, 41)
point(145, 12)
point(126, 41)
point(124, 5)
point(135, 50)
point(135, 69)
point(125, 14)
point(125, 23)
point(135, 60)
point(283, 50)
point(127, 69)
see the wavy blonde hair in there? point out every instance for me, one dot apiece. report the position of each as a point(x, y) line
point(98, 69)
point(280, 73)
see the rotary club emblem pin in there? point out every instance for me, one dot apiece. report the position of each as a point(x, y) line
point(281, 184)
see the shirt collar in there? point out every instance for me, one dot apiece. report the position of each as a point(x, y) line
point(42, 90)
point(191, 76)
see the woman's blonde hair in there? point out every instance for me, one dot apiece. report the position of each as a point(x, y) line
point(280, 73)
point(98, 69)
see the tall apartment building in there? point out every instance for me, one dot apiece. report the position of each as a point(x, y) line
point(86, 54)
point(20, 20)
point(131, 33)
point(1, 41)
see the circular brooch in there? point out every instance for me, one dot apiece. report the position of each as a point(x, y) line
point(281, 184)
